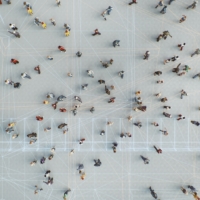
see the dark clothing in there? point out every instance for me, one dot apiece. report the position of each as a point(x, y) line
point(153, 193)
point(133, 1)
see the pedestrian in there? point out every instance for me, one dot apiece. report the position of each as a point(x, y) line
point(45, 102)
point(167, 107)
point(96, 32)
point(54, 105)
point(167, 115)
point(12, 124)
point(82, 176)
point(49, 57)
point(36, 21)
point(51, 157)
point(90, 73)
point(165, 132)
point(193, 5)
point(112, 87)
point(58, 3)
point(8, 82)
point(84, 86)
point(158, 150)
point(30, 135)
point(15, 136)
point(25, 75)
point(164, 99)
point(42, 160)
point(67, 33)
point(62, 49)
point(160, 81)
point(62, 125)
point(33, 141)
point(27, 5)
point(133, 1)
point(184, 191)
point(146, 160)
point(114, 147)
point(137, 93)
point(197, 75)
point(183, 93)
point(15, 33)
point(107, 64)
point(33, 163)
point(66, 194)
point(159, 37)
point(155, 124)
point(14, 61)
point(110, 123)
point(192, 189)
point(160, 3)
point(49, 182)
point(154, 195)
point(183, 18)
point(37, 189)
point(195, 123)
point(138, 124)
point(101, 81)
point(37, 69)
point(166, 34)
point(81, 141)
point(47, 129)
point(138, 100)
point(196, 197)
point(170, 1)
point(66, 26)
point(130, 118)
point(122, 135)
point(61, 98)
point(157, 73)
point(174, 58)
point(53, 150)
point(71, 152)
point(63, 110)
point(17, 85)
point(9, 130)
point(197, 52)
point(80, 167)
point(50, 96)
point(79, 54)
point(176, 70)
point(8, 1)
point(102, 133)
point(128, 134)
point(146, 55)
point(109, 9)
point(70, 74)
point(112, 100)
point(158, 94)
point(180, 117)
point(92, 110)
point(181, 46)
point(107, 90)
point(78, 98)
point(53, 21)
point(116, 43)
point(167, 61)
point(44, 26)
point(47, 173)
point(13, 27)
point(121, 74)
point(97, 163)
point(39, 118)
point(164, 10)
point(29, 11)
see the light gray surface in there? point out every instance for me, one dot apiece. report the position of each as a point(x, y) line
point(122, 175)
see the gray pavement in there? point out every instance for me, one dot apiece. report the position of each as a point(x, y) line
point(122, 175)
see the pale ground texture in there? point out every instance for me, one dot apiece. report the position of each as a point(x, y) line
point(122, 176)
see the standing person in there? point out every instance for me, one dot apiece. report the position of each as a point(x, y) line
point(101, 81)
point(167, 115)
point(84, 86)
point(37, 189)
point(15, 136)
point(37, 69)
point(62, 49)
point(92, 110)
point(81, 141)
point(158, 150)
point(193, 5)
point(80, 167)
point(197, 52)
point(90, 73)
point(27, 5)
point(160, 3)
point(167, 61)
point(167, 107)
point(165, 34)
point(164, 99)
point(42, 160)
point(155, 124)
point(49, 57)
point(146, 55)
point(183, 93)
point(112, 100)
point(67, 33)
point(79, 54)
point(157, 73)
point(47, 173)
point(14, 61)
point(66, 194)
point(97, 163)
point(183, 18)
point(170, 1)
point(25, 75)
point(44, 26)
point(114, 147)
point(116, 43)
point(180, 117)
point(63, 110)
point(58, 3)
point(102, 133)
point(8, 1)
point(96, 32)
point(9, 82)
point(176, 70)
point(62, 126)
point(164, 10)
point(193, 189)
point(164, 132)
point(109, 9)
point(146, 160)
point(78, 98)
point(184, 191)
point(50, 95)
point(154, 195)
point(39, 118)
point(121, 74)
point(181, 46)
point(17, 85)
point(174, 58)
point(132, 2)
point(33, 163)
point(107, 90)
point(66, 26)
point(53, 21)
point(36, 21)
point(13, 27)
point(29, 11)
point(159, 37)
point(138, 124)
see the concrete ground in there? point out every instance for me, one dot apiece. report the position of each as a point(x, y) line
point(122, 175)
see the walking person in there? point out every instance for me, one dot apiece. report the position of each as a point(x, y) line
point(197, 75)
point(132, 2)
point(66, 194)
point(13, 27)
point(9, 82)
point(167, 115)
point(37, 21)
point(37, 69)
point(96, 32)
point(39, 118)
point(112, 100)
point(27, 5)
point(157, 150)
point(146, 160)
point(164, 10)
point(81, 141)
point(138, 124)
point(67, 33)
point(192, 189)
point(29, 11)
point(33, 163)
point(193, 5)
point(166, 34)
point(165, 132)
point(14, 61)
point(183, 18)
point(121, 74)
point(62, 49)
point(114, 147)
point(97, 163)
point(79, 54)
point(47, 173)
point(170, 1)
point(159, 37)
point(184, 191)
point(154, 195)
point(197, 52)
point(90, 73)
point(116, 43)
point(15, 33)
point(183, 93)
point(101, 81)
point(25, 75)
point(174, 58)
point(58, 3)
point(160, 3)
point(181, 46)
point(180, 117)
point(107, 90)
point(37, 189)
point(146, 55)
point(53, 21)
point(44, 26)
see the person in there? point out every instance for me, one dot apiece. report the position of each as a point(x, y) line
point(107, 90)
point(15, 136)
point(102, 133)
point(128, 134)
point(186, 68)
point(62, 49)
point(97, 163)
point(138, 124)
point(8, 1)
point(67, 33)
point(15, 33)
point(166, 34)
point(30, 135)
point(195, 122)
point(157, 73)
point(29, 11)
point(14, 61)
point(42, 160)
point(82, 176)
point(71, 152)
point(90, 73)
point(50, 96)
point(9, 130)
point(167, 115)
point(132, 2)
point(158, 94)
point(164, 99)
point(80, 167)
point(116, 43)
point(112, 100)
point(17, 85)
point(101, 81)
point(193, 5)
point(164, 10)
point(160, 81)
point(121, 74)
point(47, 129)
point(36, 21)
point(114, 147)
point(25, 75)
point(47, 173)
point(180, 117)
point(167, 107)
point(197, 52)
point(81, 141)
point(92, 110)
point(183, 18)
point(33, 163)
point(183, 93)
point(39, 118)
point(66, 194)
point(176, 69)
point(159, 37)
point(45, 102)
point(146, 160)
point(96, 32)
point(51, 157)
point(37, 189)
point(13, 27)
point(154, 195)
point(181, 46)
point(33, 141)
point(62, 125)
point(184, 191)
point(49, 57)
point(27, 5)
point(49, 182)
point(164, 132)
point(107, 64)
point(61, 98)
point(58, 3)
point(167, 61)
point(130, 118)
point(37, 69)
point(44, 26)
point(78, 98)
point(8, 82)
point(170, 1)
point(79, 54)
point(66, 26)
point(84, 86)
point(160, 3)
point(122, 135)
point(53, 150)
point(146, 55)
point(109, 9)
point(174, 58)
point(69, 74)
point(110, 123)
point(155, 124)
point(63, 110)
point(53, 21)
point(197, 75)
point(158, 150)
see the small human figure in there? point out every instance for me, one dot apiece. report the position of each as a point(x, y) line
point(53, 21)
point(167, 61)
point(132, 2)
point(102, 133)
point(84, 86)
point(174, 58)
point(176, 69)
point(165, 132)
point(96, 32)
point(97, 163)
point(13, 27)
point(154, 195)
point(47, 173)
point(42, 160)
point(49, 57)
point(66, 26)
point(39, 118)
point(116, 43)
point(62, 125)
point(121, 74)
point(192, 189)
point(159, 37)
point(37, 21)
point(107, 64)
point(112, 100)
point(110, 123)
point(183, 18)
point(61, 98)
point(158, 94)
point(9, 130)
point(47, 129)
point(51, 157)
point(63, 110)
point(67, 33)
point(164, 99)
point(58, 3)
point(158, 150)
point(66, 194)
point(180, 117)
point(170, 1)
point(25, 75)
point(37, 69)
point(92, 110)
point(197, 75)
point(146, 160)
point(138, 124)
point(50, 96)
point(82, 176)
point(167, 107)
point(15, 136)
point(160, 3)
point(81, 141)
point(137, 93)
point(128, 134)
point(197, 52)
point(164, 10)
point(184, 191)
point(107, 90)
point(166, 34)
point(130, 118)
point(29, 11)
point(33, 163)
point(167, 115)
point(183, 93)
point(122, 135)
point(78, 98)
point(79, 54)
point(160, 81)
point(54, 105)
point(32, 135)
point(37, 189)
point(8, 82)
point(193, 5)
point(62, 49)
point(49, 182)
point(146, 55)
point(90, 73)
point(45, 102)
point(114, 147)
point(15, 33)
point(17, 85)
point(107, 11)
point(157, 73)
point(71, 152)
point(155, 124)
point(112, 87)
point(101, 81)
point(181, 46)
point(80, 167)
point(27, 5)
point(14, 61)
point(186, 68)
point(33, 141)
point(70, 74)
point(53, 150)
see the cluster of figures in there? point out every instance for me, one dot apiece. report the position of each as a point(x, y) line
point(50, 97)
